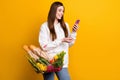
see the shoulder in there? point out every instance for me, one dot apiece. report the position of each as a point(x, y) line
point(44, 25)
point(44, 28)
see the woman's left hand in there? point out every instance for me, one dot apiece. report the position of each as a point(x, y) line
point(67, 39)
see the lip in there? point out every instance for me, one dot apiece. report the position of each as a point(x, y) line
point(60, 15)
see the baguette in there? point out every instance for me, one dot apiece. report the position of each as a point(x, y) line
point(39, 52)
point(30, 52)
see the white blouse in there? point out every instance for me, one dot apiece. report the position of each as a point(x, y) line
point(56, 46)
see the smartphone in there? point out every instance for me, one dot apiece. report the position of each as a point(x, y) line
point(77, 22)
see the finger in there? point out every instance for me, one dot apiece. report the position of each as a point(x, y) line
point(70, 40)
point(74, 29)
point(74, 26)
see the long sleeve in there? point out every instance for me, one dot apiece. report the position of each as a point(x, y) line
point(73, 35)
point(44, 39)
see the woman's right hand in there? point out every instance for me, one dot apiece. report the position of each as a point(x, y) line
point(68, 39)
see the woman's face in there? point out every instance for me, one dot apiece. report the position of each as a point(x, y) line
point(59, 12)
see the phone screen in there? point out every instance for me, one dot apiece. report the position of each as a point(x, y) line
point(77, 21)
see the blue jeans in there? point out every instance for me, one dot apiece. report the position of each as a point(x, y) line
point(61, 75)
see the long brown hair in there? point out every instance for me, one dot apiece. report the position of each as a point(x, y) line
point(51, 19)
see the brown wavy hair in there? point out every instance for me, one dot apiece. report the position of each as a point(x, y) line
point(51, 19)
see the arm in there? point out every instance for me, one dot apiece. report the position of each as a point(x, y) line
point(73, 35)
point(44, 41)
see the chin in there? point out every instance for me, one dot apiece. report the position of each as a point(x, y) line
point(59, 18)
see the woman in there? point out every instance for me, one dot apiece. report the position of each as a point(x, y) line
point(55, 37)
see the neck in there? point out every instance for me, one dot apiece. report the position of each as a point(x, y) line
point(56, 21)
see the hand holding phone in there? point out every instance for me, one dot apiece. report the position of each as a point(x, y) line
point(75, 27)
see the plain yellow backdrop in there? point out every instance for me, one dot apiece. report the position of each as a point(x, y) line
point(95, 55)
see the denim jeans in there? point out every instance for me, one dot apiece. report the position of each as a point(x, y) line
point(61, 75)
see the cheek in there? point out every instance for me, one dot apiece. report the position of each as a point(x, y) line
point(57, 14)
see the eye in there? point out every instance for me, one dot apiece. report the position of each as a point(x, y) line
point(61, 10)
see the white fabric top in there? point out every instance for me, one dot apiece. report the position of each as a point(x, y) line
point(56, 46)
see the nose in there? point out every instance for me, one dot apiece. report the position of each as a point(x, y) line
point(61, 13)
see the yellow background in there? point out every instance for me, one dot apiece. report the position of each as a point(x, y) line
point(95, 55)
